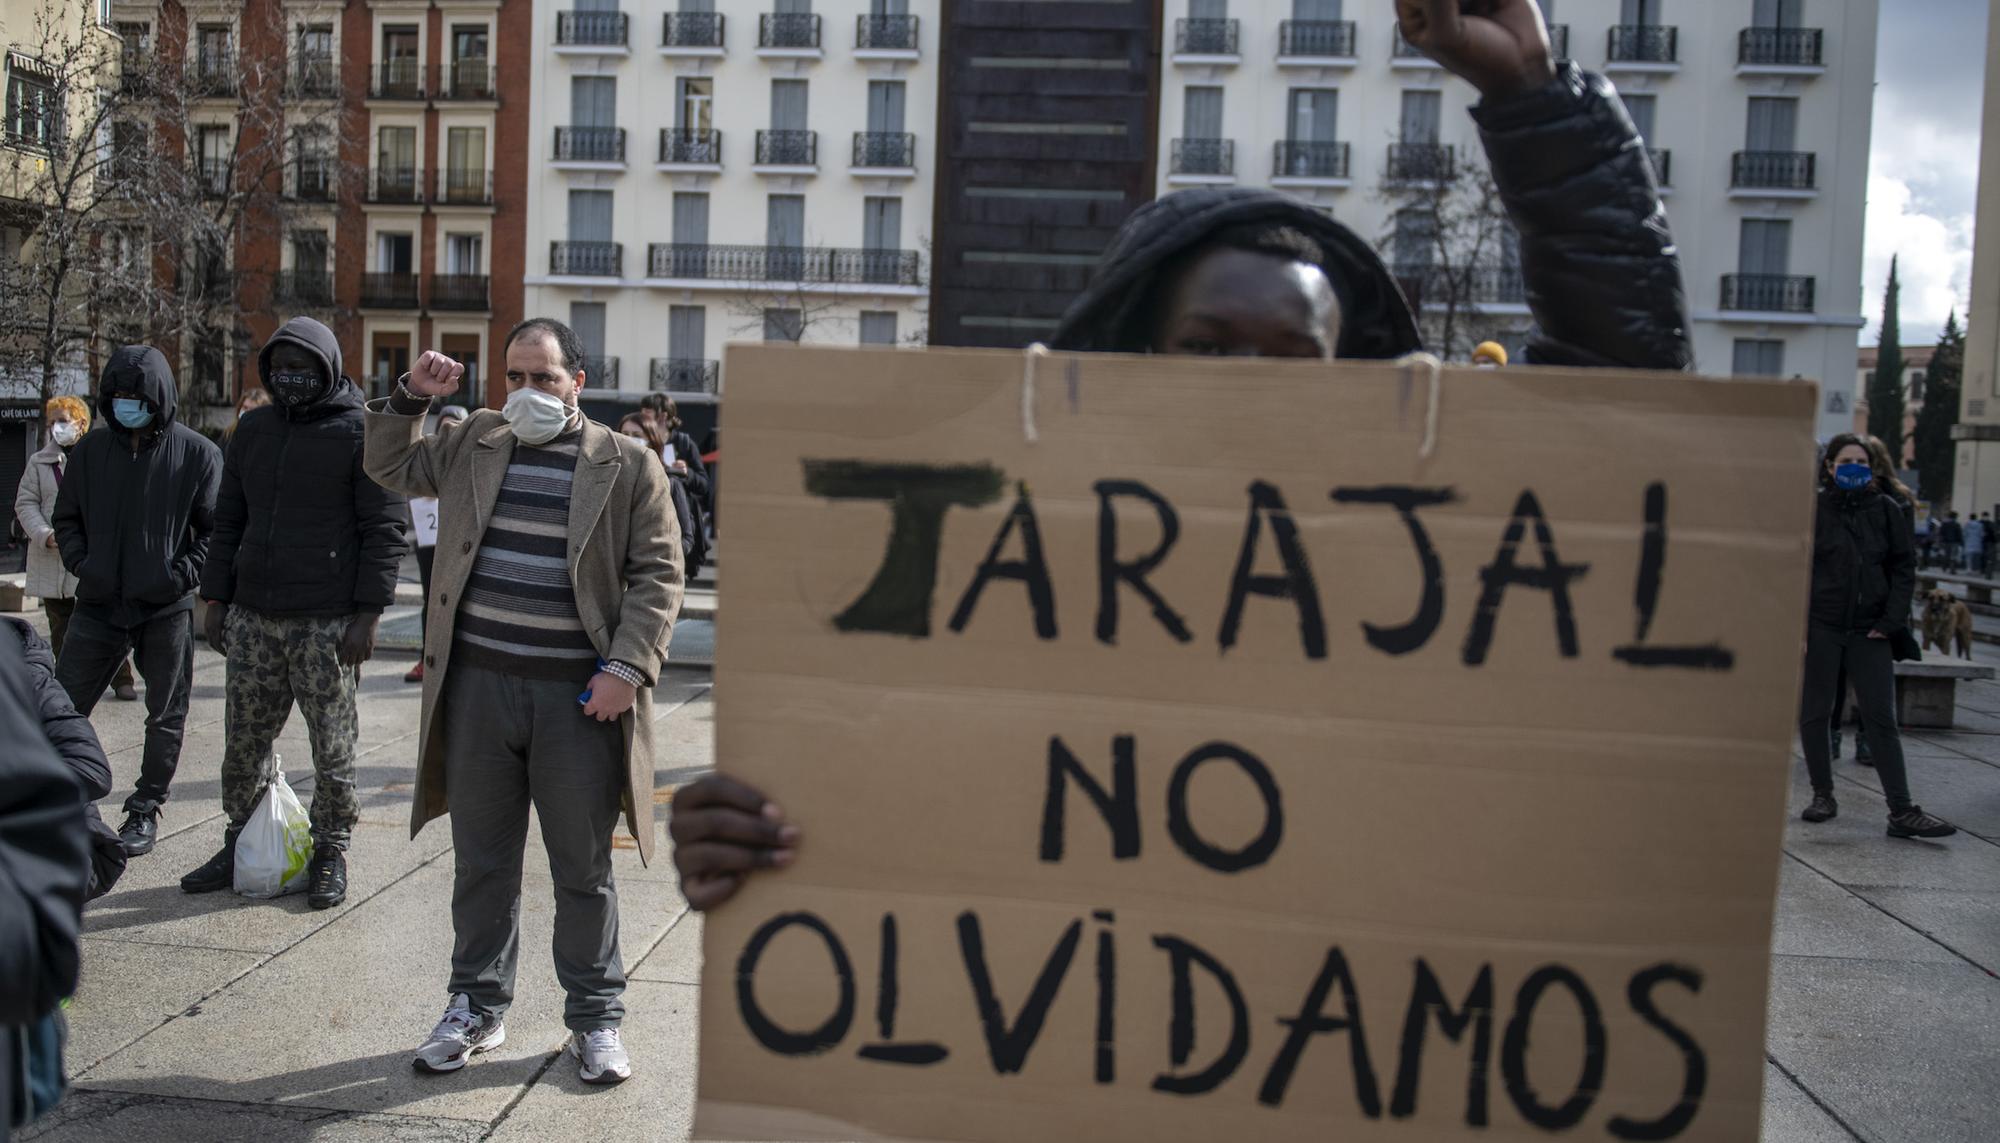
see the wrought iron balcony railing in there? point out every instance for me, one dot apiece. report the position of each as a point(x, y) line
point(381, 290)
point(463, 187)
point(314, 76)
point(468, 78)
point(1768, 293)
point(1421, 162)
point(305, 288)
point(1298, 159)
point(1316, 38)
point(465, 292)
point(1204, 157)
point(1663, 164)
point(691, 146)
point(1404, 49)
point(1773, 170)
point(394, 185)
point(601, 372)
point(1439, 287)
point(787, 148)
point(684, 375)
point(592, 29)
point(398, 79)
point(691, 30)
point(213, 75)
point(791, 30)
point(212, 176)
point(590, 145)
point(1781, 47)
point(892, 150)
point(313, 179)
point(587, 259)
point(1205, 37)
point(885, 33)
point(1643, 43)
point(815, 264)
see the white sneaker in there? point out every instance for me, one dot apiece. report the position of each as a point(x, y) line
point(602, 1056)
point(458, 1037)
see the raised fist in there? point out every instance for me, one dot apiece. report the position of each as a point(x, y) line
point(434, 375)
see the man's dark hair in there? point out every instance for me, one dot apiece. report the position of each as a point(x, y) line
point(654, 402)
point(565, 338)
point(1273, 238)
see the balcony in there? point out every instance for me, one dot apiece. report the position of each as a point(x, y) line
point(788, 34)
point(388, 291)
point(690, 149)
point(592, 33)
point(804, 265)
point(1463, 287)
point(469, 79)
point(787, 152)
point(1420, 163)
point(304, 288)
point(1203, 161)
point(1559, 41)
point(1306, 164)
point(212, 177)
point(1205, 42)
point(885, 37)
point(590, 148)
point(587, 260)
point(312, 180)
point(685, 375)
point(1663, 164)
point(1642, 47)
point(212, 75)
point(691, 34)
point(394, 186)
point(885, 153)
point(601, 372)
point(1773, 174)
point(459, 292)
point(401, 80)
point(1315, 43)
point(1780, 51)
point(1408, 55)
point(313, 77)
point(463, 187)
point(1767, 293)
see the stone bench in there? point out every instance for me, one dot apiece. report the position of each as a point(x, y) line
point(1978, 589)
point(1927, 692)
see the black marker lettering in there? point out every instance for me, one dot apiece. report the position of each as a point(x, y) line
point(1553, 576)
point(1119, 808)
point(1514, 1051)
point(1181, 1029)
point(1413, 635)
point(1009, 1046)
point(1426, 999)
point(766, 1030)
point(898, 600)
point(1107, 1001)
point(889, 1052)
point(1695, 1079)
point(1313, 1020)
point(1180, 824)
point(1296, 584)
point(1652, 566)
point(1031, 569)
point(1111, 571)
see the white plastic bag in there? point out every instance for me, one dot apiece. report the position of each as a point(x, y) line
point(276, 844)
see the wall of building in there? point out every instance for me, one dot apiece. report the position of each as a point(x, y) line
point(1978, 480)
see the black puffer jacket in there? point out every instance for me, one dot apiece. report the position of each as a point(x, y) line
point(1603, 278)
point(137, 506)
point(300, 530)
point(1864, 568)
point(76, 743)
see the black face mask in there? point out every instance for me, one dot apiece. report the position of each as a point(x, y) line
point(293, 389)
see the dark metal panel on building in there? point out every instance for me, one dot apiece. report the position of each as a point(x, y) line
point(1047, 140)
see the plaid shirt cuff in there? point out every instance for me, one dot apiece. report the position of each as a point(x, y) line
point(626, 672)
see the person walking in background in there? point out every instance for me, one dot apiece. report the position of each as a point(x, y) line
point(133, 522)
point(1863, 577)
point(693, 545)
point(424, 529)
point(305, 558)
point(1975, 545)
point(251, 399)
point(677, 448)
point(1951, 539)
point(1990, 544)
point(558, 571)
point(67, 418)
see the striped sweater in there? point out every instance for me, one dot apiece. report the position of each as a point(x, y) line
point(518, 615)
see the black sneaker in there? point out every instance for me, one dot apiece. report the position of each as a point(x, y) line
point(329, 878)
point(139, 832)
point(220, 871)
point(1823, 808)
point(1914, 822)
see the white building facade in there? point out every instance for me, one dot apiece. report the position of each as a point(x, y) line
point(1757, 113)
point(704, 172)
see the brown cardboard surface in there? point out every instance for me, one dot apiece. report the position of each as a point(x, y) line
point(1453, 890)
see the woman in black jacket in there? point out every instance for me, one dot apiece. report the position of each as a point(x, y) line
point(1864, 572)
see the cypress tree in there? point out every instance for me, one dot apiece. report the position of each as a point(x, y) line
point(1885, 389)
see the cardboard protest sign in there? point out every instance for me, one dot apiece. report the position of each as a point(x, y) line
point(1186, 750)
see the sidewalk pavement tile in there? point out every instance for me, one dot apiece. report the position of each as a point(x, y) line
point(109, 1011)
point(116, 1117)
point(657, 1103)
point(1790, 1116)
point(1819, 918)
point(1900, 1051)
point(331, 1023)
point(1967, 922)
point(1958, 789)
point(1855, 849)
point(677, 959)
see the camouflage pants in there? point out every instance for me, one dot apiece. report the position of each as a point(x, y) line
point(273, 661)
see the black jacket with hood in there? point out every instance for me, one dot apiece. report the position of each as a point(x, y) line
point(1864, 569)
point(137, 506)
point(300, 530)
point(1603, 277)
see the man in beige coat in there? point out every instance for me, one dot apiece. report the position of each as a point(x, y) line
point(554, 586)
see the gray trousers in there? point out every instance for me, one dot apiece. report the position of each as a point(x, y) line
point(510, 743)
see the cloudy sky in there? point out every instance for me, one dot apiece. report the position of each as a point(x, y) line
point(1924, 168)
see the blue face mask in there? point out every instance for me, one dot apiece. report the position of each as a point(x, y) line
point(1852, 477)
point(131, 412)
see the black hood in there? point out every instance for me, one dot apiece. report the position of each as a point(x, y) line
point(138, 371)
point(315, 338)
point(1376, 321)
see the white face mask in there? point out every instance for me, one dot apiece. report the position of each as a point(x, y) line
point(66, 433)
point(536, 417)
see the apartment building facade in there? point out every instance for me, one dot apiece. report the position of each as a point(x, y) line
point(1976, 486)
point(1756, 112)
point(705, 172)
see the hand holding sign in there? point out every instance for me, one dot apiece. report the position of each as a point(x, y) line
point(722, 831)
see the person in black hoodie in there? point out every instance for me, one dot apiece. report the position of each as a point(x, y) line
point(1233, 272)
point(1864, 572)
point(133, 522)
point(306, 555)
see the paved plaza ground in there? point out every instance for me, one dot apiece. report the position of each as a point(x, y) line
point(217, 1018)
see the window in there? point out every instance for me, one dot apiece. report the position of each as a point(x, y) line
point(788, 105)
point(1422, 111)
point(695, 109)
point(316, 42)
point(212, 155)
point(314, 148)
point(34, 105)
point(882, 223)
point(468, 43)
point(885, 107)
point(130, 254)
point(1773, 125)
point(1765, 247)
point(137, 48)
point(1313, 115)
point(593, 100)
point(1640, 12)
point(888, 7)
point(1642, 109)
point(1777, 13)
point(587, 319)
point(590, 216)
point(1415, 241)
point(1759, 358)
point(1321, 10)
point(208, 355)
point(394, 253)
point(309, 252)
point(785, 237)
point(464, 254)
point(784, 325)
point(878, 328)
point(213, 56)
point(396, 164)
point(687, 333)
point(1916, 389)
point(792, 8)
point(690, 218)
point(1202, 113)
point(465, 164)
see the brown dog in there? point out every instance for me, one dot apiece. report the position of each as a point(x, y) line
point(1946, 617)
